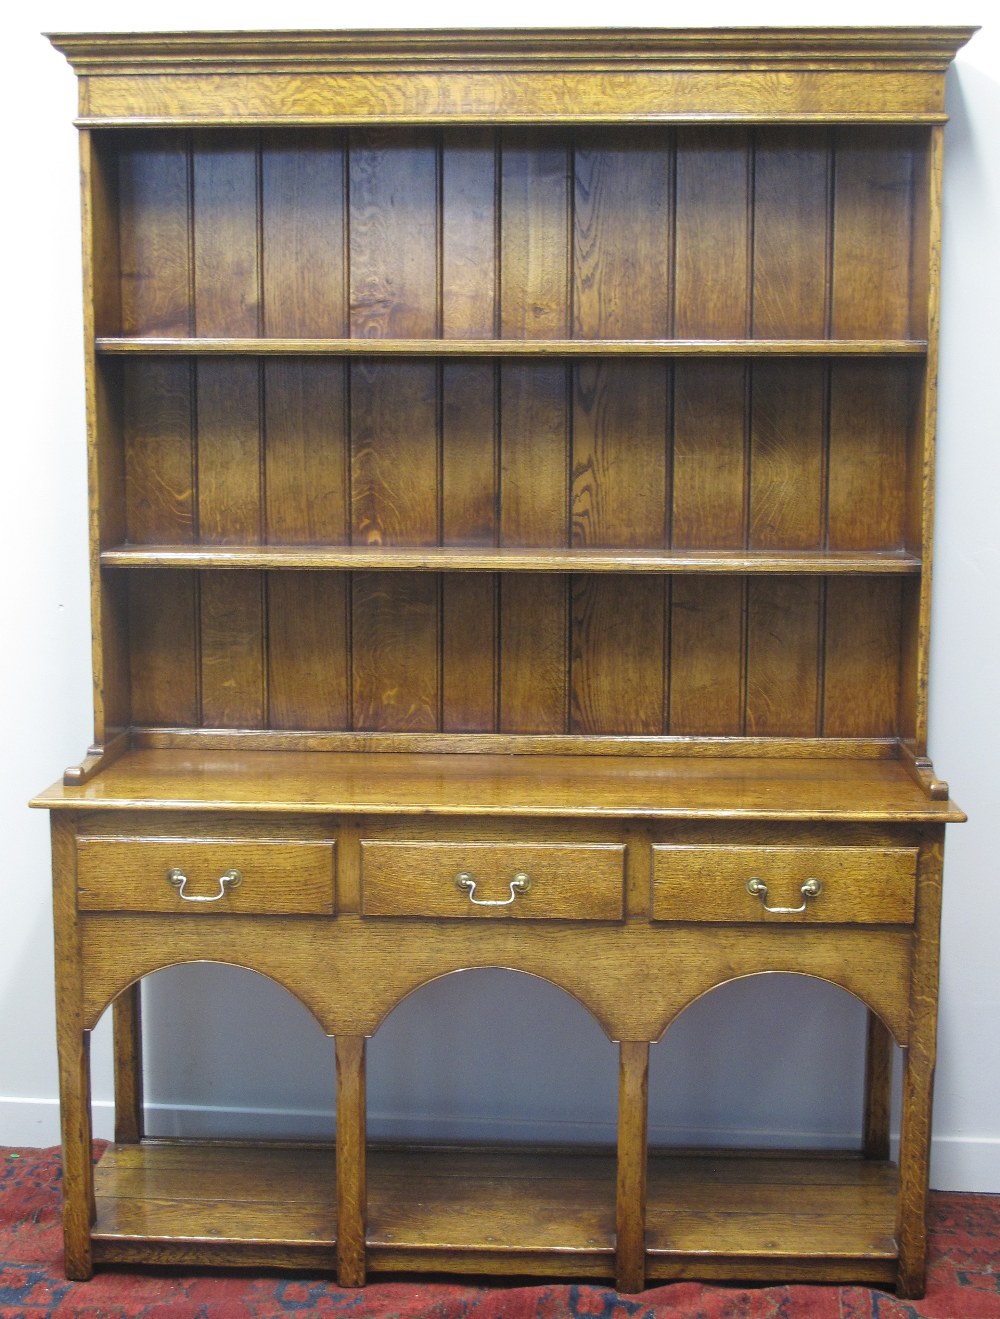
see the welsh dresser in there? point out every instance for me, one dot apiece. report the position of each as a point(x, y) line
point(511, 463)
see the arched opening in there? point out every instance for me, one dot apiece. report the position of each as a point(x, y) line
point(231, 1054)
point(748, 1084)
point(501, 1070)
point(491, 1054)
point(772, 1060)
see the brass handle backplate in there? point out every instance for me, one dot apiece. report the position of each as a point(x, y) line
point(177, 879)
point(812, 888)
point(519, 884)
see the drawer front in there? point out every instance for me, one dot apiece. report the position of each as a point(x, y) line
point(530, 881)
point(197, 876)
point(856, 885)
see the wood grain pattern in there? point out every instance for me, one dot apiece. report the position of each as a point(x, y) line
point(862, 638)
point(712, 280)
point(129, 1112)
point(699, 787)
point(308, 638)
point(860, 885)
point(550, 490)
point(707, 656)
point(622, 236)
point(163, 630)
point(154, 224)
point(783, 629)
point(469, 658)
point(225, 203)
point(229, 453)
point(616, 674)
point(394, 628)
point(871, 422)
point(566, 881)
point(710, 442)
point(534, 647)
point(534, 492)
point(469, 231)
point(791, 194)
point(232, 661)
point(394, 454)
point(303, 276)
point(306, 478)
point(630, 1211)
point(352, 1161)
point(294, 878)
point(873, 228)
point(787, 442)
point(159, 456)
point(619, 468)
point(534, 238)
point(393, 234)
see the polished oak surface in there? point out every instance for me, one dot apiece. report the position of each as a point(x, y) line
point(698, 787)
point(511, 465)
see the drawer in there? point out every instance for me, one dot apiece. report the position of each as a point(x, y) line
point(531, 881)
point(857, 885)
point(191, 875)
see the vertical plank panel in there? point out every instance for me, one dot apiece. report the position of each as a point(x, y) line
point(791, 185)
point(232, 667)
point(305, 452)
point(619, 454)
point(394, 453)
point(469, 234)
point(226, 292)
point(783, 619)
point(862, 657)
point(302, 230)
point(159, 499)
point(871, 417)
point(393, 234)
point(534, 237)
point(154, 235)
point(469, 517)
point(469, 493)
point(469, 652)
point(709, 455)
point(712, 282)
point(394, 426)
point(786, 455)
point(706, 652)
point(873, 230)
point(307, 650)
point(162, 648)
point(534, 494)
point(533, 653)
point(228, 411)
point(534, 506)
point(395, 652)
point(622, 235)
point(469, 496)
point(617, 654)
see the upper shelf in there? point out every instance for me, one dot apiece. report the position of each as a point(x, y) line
point(435, 558)
point(365, 347)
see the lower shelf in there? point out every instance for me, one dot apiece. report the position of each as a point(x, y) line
point(762, 1216)
point(709, 1214)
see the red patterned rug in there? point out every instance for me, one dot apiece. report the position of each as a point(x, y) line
point(963, 1283)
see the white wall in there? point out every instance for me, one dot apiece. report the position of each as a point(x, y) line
point(519, 1056)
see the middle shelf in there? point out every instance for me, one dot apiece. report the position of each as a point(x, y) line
point(475, 558)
